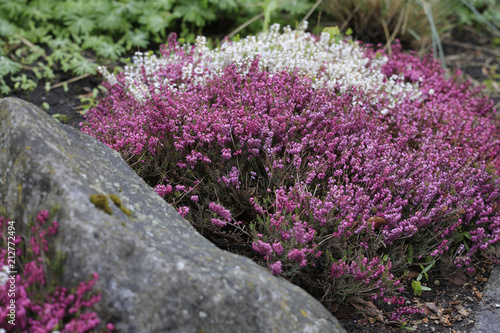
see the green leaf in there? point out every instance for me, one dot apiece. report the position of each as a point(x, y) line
point(37, 11)
point(165, 4)
point(424, 288)
point(459, 238)
point(136, 38)
point(59, 55)
point(410, 254)
point(79, 25)
point(194, 12)
point(156, 22)
point(6, 29)
point(417, 288)
point(297, 7)
point(83, 66)
point(130, 8)
point(110, 51)
point(114, 22)
point(60, 118)
point(269, 7)
point(8, 66)
point(60, 43)
point(13, 8)
point(4, 88)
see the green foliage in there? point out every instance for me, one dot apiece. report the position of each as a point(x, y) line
point(75, 36)
point(479, 13)
point(417, 286)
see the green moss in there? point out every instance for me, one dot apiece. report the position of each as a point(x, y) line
point(101, 202)
point(127, 212)
point(115, 199)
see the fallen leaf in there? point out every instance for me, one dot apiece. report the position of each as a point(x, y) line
point(365, 306)
point(334, 307)
point(448, 310)
point(462, 311)
point(377, 221)
point(459, 279)
point(432, 307)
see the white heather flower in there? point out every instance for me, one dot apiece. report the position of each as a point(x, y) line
point(4, 276)
point(326, 62)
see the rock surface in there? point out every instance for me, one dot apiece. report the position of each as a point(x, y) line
point(487, 315)
point(157, 274)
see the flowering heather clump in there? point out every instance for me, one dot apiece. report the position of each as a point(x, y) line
point(328, 63)
point(41, 305)
point(340, 174)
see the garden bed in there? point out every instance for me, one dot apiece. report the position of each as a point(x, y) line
point(447, 296)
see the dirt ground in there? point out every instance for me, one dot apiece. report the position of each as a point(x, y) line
point(449, 306)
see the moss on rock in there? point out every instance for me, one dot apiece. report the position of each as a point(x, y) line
point(117, 201)
point(101, 202)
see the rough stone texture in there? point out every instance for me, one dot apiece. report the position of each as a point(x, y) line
point(157, 274)
point(487, 316)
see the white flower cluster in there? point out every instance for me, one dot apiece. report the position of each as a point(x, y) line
point(4, 275)
point(327, 62)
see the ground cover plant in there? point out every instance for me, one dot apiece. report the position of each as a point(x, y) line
point(342, 167)
point(41, 305)
point(337, 166)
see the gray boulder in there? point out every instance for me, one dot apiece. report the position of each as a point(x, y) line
point(487, 314)
point(157, 274)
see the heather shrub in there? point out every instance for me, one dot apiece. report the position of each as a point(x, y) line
point(41, 305)
point(335, 165)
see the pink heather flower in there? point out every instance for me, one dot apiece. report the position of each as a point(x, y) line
point(41, 312)
point(110, 327)
point(183, 211)
point(337, 270)
point(42, 216)
point(53, 228)
point(180, 188)
point(303, 232)
point(233, 178)
point(400, 312)
point(429, 162)
point(221, 211)
point(276, 268)
point(262, 248)
point(226, 153)
point(298, 256)
point(163, 190)
point(256, 206)
point(218, 222)
point(194, 198)
point(278, 248)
